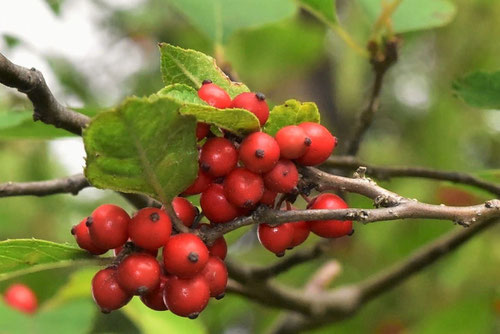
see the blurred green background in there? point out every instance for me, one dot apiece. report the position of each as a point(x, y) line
point(287, 54)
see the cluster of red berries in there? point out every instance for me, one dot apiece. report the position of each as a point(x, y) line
point(21, 297)
point(188, 274)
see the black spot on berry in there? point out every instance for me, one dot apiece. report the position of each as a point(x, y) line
point(260, 96)
point(280, 254)
point(142, 290)
point(193, 316)
point(206, 81)
point(205, 166)
point(89, 221)
point(154, 217)
point(285, 173)
point(307, 141)
point(260, 153)
point(193, 257)
point(248, 204)
point(219, 297)
point(351, 233)
point(73, 230)
point(105, 311)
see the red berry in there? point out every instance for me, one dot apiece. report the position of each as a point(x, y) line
point(187, 297)
point(184, 210)
point(218, 248)
point(322, 144)
point(215, 205)
point(243, 188)
point(293, 141)
point(154, 299)
point(185, 255)
point(108, 226)
point(214, 95)
point(329, 228)
point(300, 233)
point(139, 273)
point(82, 237)
point(215, 273)
point(218, 157)
point(268, 197)
point(259, 152)
point(106, 291)
point(21, 298)
point(283, 178)
point(199, 185)
point(275, 238)
point(255, 103)
point(150, 228)
point(202, 130)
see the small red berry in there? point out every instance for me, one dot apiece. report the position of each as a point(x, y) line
point(199, 185)
point(300, 233)
point(330, 228)
point(322, 144)
point(184, 210)
point(218, 248)
point(108, 226)
point(293, 141)
point(185, 255)
point(255, 103)
point(82, 237)
point(275, 238)
point(150, 228)
point(187, 297)
point(283, 178)
point(215, 205)
point(154, 299)
point(243, 188)
point(106, 291)
point(21, 298)
point(259, 152)
point(218, 157)
point(268, 197)
point(215, 273)
point(139, 273)
point(202, 130)
point(214, 95)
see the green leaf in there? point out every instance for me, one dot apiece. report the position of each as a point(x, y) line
point(479, 89)
point(412, 15)
point(292, 112)
point(323, 9)
point(191, 67)
point(55, 5)
point(152, 322)
point(238, 121)
point(76, 287)
point(144, 146)
point(22, 256)
point(11, 40)
point(219, 19)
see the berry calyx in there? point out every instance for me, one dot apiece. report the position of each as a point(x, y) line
point(218, 248)
point(186, 297)
point(215, 205)
point(329, 228)
point(83, 239)
point(150, 228)
point(185, 255)
point(108, 226)
point(322, 144)
point(293, 141)
point(218, 157)
point(215, 273)
point(203, 180)
point(259, 152)
point(106, 291)
point(283, 178)
point(253, 102)
point(214, 95)
point(243, 188)
point(21, 298)
point(275, 238)
point(139, 274)
point(154, 299)
point(184, 210)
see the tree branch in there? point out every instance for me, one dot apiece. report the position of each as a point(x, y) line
point(72, 184)
point(46, 108)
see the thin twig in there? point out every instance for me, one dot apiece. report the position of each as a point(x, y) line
point(72, 184)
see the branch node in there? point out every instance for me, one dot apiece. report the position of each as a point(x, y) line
point(360, 173)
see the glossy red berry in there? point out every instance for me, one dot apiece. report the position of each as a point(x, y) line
point(184, 210)
point(268, 197)
point(218, 248)
point(214, 95)
point(202, 130)
point(108, 226)
point(139, 273)
point(215, 273)
point(82, 237)
point(215, 205)
point(218, 157)
point(283, 178)
point(275, 238)
point(255, 103)
point(150, 228)
point(106, 291)
point(300, 233)
point(322, 144)
point(259, 152)
point(329, 228)
point(185, 255)
point(154, 299)
point(21, 298)
point(203, 180)
point(293, 141)
point(187, 297)
point(243, 188)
